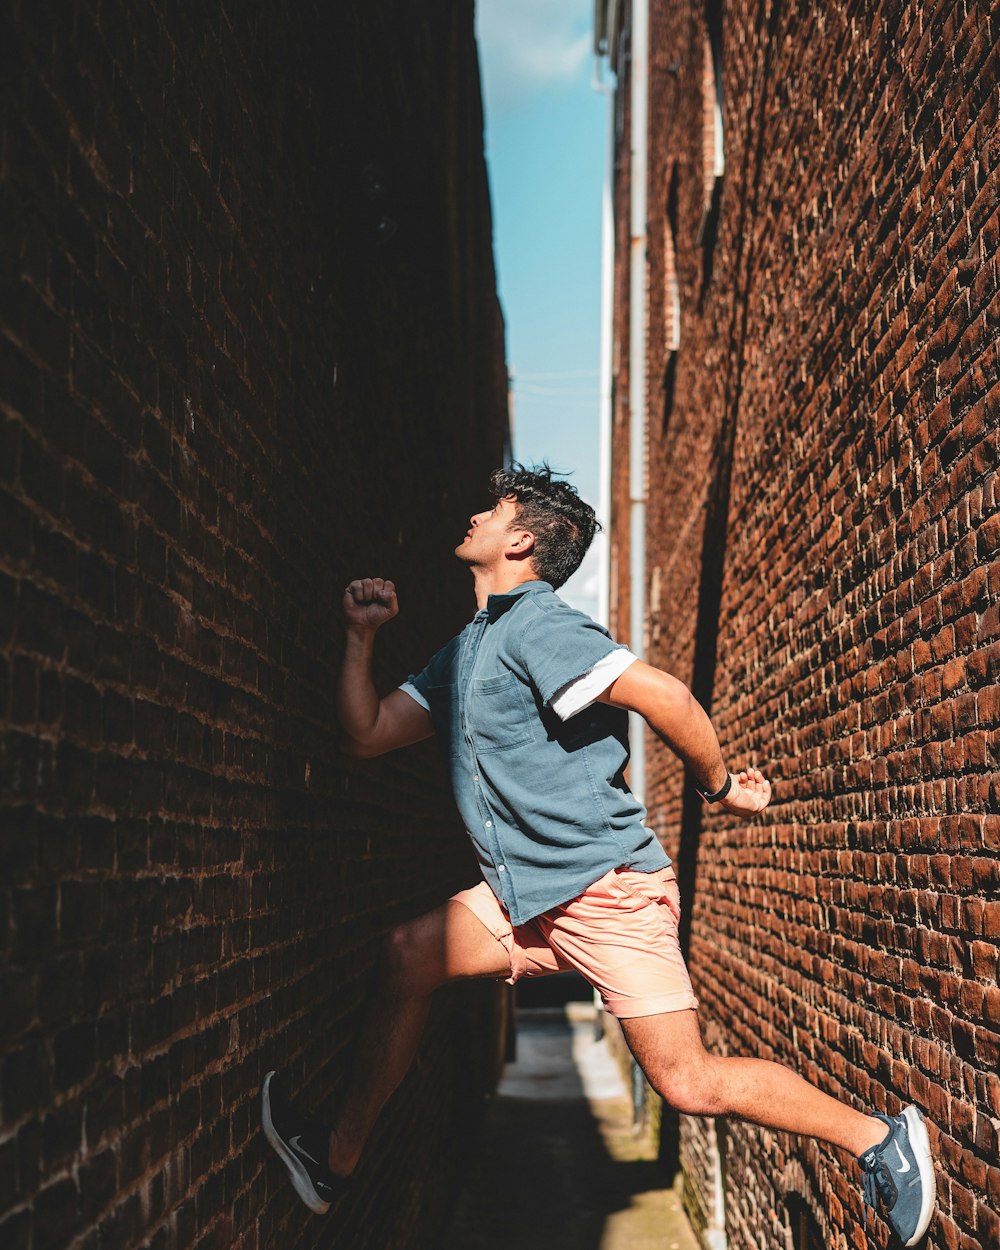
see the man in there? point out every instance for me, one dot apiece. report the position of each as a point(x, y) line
point(531, 704)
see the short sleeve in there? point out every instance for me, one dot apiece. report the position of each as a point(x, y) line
point(581, 692)
point(438, 671)
point(561, 644)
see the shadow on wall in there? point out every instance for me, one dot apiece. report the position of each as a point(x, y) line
point(226, 387)
point(715, 535)
point(713, 560)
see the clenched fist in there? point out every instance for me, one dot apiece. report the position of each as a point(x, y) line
point(369, 602)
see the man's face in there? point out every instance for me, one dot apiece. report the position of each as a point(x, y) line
point(491, 536)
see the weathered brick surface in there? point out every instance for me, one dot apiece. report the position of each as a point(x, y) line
point(822, 551)
point(226, 389)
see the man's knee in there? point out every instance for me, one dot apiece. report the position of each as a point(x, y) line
point(407, 957)
point(687, 1085)
point(670, 1051)
point(448, 944)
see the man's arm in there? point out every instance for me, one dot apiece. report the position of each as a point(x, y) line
point(372, 725)
point(672, 712)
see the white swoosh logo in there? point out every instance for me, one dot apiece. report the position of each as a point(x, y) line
point(294, 1143)
point(903, 1165)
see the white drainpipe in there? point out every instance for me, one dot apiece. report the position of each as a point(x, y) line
point(606, 352)
point(637, 371)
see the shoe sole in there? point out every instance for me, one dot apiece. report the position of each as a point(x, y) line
point(296, 1170)
point(921, 1146)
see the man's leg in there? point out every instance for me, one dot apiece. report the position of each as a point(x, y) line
point(445, 945)
point(894, 1152)
point(669, 1050)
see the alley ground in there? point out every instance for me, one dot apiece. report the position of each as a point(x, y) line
point(559, 1166)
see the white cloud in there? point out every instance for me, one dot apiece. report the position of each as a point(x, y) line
point(526, 46)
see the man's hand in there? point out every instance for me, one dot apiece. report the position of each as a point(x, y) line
point(371, 726)
point(368, 603)
point(750, 793)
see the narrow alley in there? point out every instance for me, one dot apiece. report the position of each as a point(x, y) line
point(253, 353)
point(578, 1176)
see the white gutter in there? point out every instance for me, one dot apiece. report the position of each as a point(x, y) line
point(637, 370)
point(606, 350)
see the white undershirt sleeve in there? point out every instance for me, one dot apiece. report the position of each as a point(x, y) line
point(581, 692)
point(409, 688)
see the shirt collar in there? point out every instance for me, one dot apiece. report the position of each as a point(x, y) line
point(497, 605)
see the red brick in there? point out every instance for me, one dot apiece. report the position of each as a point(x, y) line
point(833, 598)
point(195, 392)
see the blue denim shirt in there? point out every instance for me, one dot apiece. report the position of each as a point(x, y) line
point(545, 801)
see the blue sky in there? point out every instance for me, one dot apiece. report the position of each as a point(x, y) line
point(546, 140)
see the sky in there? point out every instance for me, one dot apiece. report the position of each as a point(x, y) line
point(546, 146)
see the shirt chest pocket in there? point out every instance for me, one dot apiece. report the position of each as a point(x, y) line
point(499, 714)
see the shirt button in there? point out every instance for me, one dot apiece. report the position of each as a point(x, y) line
point(475, 776)
point(489, 824)
point(502, 868)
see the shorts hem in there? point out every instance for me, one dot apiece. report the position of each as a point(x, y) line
point(503, 933)
point(632, 1008)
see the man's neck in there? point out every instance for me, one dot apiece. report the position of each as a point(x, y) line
point(500, 581)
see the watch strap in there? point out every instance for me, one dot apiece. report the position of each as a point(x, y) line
point(721, 793)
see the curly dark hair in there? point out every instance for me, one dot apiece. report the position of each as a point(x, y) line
point(562, 523)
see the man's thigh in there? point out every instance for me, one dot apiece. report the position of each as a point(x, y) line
point(664, 1044)
point(449, 944)
point(525, 950)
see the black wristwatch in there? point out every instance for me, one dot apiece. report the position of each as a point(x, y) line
point(721, 793)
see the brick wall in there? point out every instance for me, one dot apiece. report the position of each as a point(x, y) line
point(822, 553)
point(250, 348)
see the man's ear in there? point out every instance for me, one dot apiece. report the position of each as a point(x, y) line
point(522, 543)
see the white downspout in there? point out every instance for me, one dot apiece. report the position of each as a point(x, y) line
point(604, 25)
point(637, 371)
point(606, 353)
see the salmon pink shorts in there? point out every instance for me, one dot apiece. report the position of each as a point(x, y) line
point(620, 933)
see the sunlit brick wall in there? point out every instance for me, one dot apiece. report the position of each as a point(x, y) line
point(822, 561)
point(250, 349)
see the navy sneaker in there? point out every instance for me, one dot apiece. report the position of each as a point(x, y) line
point(900, 1172)
point(302, 1145)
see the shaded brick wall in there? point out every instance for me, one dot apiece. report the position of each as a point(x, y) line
point(250, 349)
point(822, 568)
